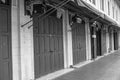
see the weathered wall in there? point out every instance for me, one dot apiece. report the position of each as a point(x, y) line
point(119, 39)
point(26, 45)
point(15, 41)
point(22, 43)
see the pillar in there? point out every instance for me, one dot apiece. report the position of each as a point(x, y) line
point(107, 39)
point(88, 39)
point(112, 40)
point(26, 45)
point(67, 38)
point(15, 28)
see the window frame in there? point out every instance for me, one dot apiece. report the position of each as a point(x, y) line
point(93, 2)
point(102, 5)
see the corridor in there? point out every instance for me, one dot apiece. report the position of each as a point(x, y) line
point(106, 68)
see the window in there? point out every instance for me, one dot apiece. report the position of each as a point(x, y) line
point(92, 1)
point(113, 12)
point(116, 15)
point(108, 8)
point(102, 4)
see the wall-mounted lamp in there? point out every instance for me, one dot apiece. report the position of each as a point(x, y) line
point(78, 20)
point(34, 7)
point(5, 2)
point(75, 19)
point(94, 24)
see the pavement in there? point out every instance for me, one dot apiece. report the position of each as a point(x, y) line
point(106, 68)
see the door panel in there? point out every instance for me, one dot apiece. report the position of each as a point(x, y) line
point(79, 43)
point(115, 40)
point(48, 45)
point(110, 41)
point(5, 43)
point(103, 38)
point(93, 41)
point(98, 42)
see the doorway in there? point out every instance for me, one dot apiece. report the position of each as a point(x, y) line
point(79, 42)
point(5, 41)
point(115, 40)
point(48, 45)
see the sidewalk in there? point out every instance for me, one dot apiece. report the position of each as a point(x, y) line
point(106, 68)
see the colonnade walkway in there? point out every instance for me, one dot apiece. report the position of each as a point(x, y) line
point(106, 68)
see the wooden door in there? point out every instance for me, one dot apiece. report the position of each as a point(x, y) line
point(48, 45)
point(103, 42)
point(93, 42)
point(79, 43)
point(115, 41)
point(98, 42)
point(110, 41)
point(5, 43)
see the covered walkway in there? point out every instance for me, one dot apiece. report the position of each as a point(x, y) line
point(106, 68)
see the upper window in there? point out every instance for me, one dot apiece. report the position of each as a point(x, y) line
point(108, 8)
point(116, 15)
point(102, 5)
point(92, 1)
point(6, 2)
point(113, 12)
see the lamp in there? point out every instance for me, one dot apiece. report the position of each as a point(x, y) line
point(34, 7)
point(76, 19)
point(94, 24)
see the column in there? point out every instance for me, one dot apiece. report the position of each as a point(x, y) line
point(119, 39)
point(26, 45)
point(16, 69)
point(67, 38)
point(112, 40)
point(107, 39)
point(88, 39)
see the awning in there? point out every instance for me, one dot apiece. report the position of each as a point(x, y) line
point(103, 17)
point(113, 22)
point(89, 7)
point(84, 8)
point(80, 7)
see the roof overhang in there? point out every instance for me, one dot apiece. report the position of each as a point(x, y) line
point(81, 8)
point(102, 17)
point(85, 9)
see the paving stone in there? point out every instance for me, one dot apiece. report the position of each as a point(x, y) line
point(106, 68)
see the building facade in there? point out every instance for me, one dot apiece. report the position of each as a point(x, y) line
point(39, 37)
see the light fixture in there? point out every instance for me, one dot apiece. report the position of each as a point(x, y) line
point(94, 24)
point(76, 19)
point(34, 6)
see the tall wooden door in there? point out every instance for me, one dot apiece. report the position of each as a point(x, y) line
point(48, 45)
point(93, 42)
point(98, 42)
point(79, 43)
point(103, 42)
point(110, 41)
point(115, 40)
point(5, 43)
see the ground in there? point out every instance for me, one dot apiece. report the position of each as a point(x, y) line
point(106, 68)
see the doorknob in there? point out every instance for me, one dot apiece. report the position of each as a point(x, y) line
point(51, 51)
point(80, 47)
